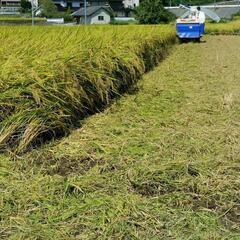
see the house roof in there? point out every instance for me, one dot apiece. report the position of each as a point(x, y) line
point(91, 10)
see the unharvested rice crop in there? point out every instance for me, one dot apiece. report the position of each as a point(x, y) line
point(20, 21)
point(232, 27)
point(51, 77)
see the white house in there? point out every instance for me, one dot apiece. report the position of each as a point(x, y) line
point(94, 15)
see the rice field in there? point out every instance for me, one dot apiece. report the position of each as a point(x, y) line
point(51, 77)
point(160, 163)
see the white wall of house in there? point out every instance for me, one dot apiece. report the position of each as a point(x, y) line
point(100, 17)
point(130, 3)
point(94, 19)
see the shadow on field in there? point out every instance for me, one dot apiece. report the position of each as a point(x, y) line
point(198, 41)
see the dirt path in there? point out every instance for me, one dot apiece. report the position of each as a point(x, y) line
point(161, 163)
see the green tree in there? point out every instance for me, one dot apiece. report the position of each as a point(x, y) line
point(48, 8)
point(25, 6)
point(152, 12)
point(67, 16)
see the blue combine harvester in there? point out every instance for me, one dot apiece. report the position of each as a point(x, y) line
point(191, 25)
point(190, 29)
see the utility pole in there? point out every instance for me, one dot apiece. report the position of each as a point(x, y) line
point(85, 12)
point(32, 12)
point(35, 8)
